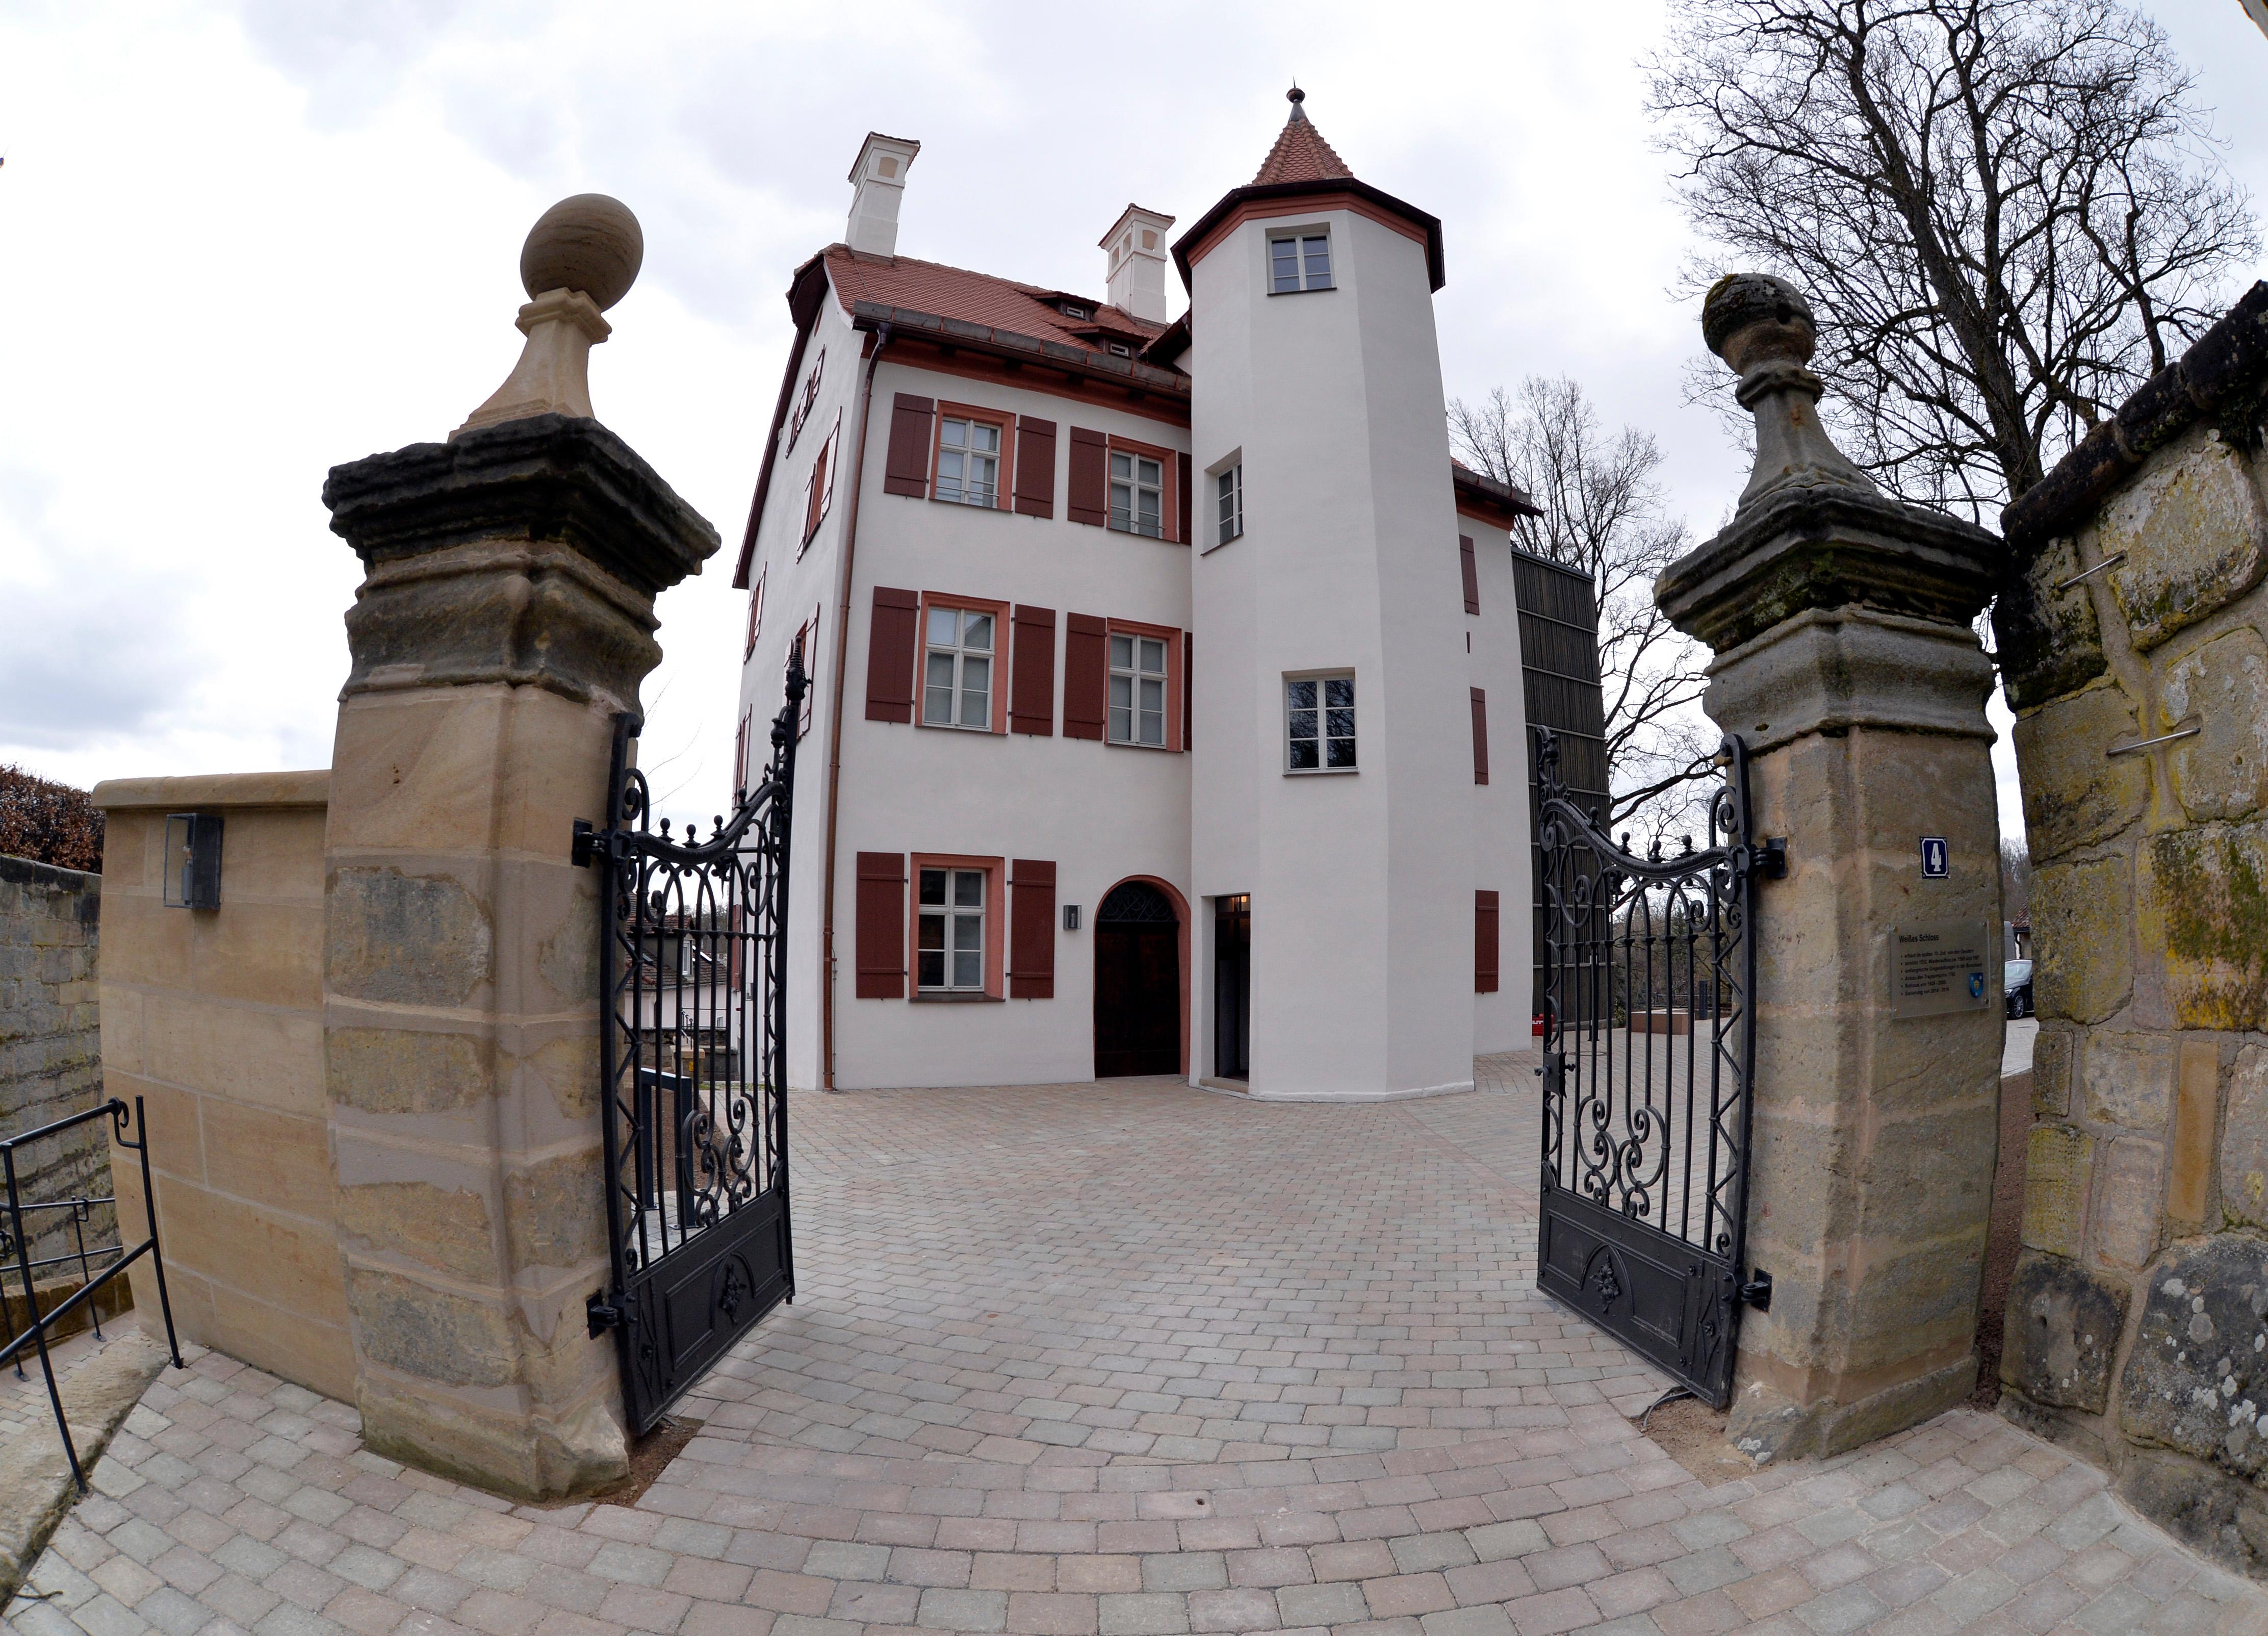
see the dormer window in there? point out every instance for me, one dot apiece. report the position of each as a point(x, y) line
point(1300, 260)
point(1071, 309)
point(1119, 349)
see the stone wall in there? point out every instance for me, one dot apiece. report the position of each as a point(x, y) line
point(50, 1057)
point(2138, 1319)
point(216, 1017)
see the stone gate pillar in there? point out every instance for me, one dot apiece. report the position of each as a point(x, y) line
point(1844, 657)
point(507, 616)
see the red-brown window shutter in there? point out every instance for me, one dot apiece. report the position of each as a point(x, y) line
point(882, 930)
point(756, 612)
point(1189, 687)
point(1032, 930)
point(810, 672)
point(1086, 676)
point(1089, 500)
point(1484, 958)
point(1184, 473)
point(1472, 573)
point(1480, 736)
point(1036, 468)
point(1032, 675)
point(907, 471)
point(890, 646)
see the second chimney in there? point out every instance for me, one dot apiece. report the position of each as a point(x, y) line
point(1136, 244)
point(878, 182)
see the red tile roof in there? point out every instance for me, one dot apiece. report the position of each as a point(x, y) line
point(1300, 154)
point(978, 299)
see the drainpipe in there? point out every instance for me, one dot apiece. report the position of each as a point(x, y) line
point(834, 722)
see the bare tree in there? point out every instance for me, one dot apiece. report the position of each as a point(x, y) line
point(2006, 213)
point(1602, 512)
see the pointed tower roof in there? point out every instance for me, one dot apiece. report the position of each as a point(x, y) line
point(1300, 153)
point(1302, 164)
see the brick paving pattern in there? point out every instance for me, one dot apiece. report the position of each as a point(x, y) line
point(24, 1392)
point(1120, 1358)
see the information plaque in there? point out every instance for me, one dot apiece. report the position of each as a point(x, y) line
point(1941, 966)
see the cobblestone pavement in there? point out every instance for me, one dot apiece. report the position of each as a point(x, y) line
point(24, 1394)
point(1124, 1359)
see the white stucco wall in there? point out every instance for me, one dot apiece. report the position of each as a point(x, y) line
point(1099, 812)
point(1362, 883)
point(1501, 1021)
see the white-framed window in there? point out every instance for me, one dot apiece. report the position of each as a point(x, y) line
point(949, 943)
point(1228, 492)
point(957, 681)
point(1318, 723)
point(1138, 495)
point(968, 461)
point(1300, 260)
point(1138, 690)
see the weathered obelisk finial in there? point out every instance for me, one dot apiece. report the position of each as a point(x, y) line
point(581, 258)
point(1761, 326)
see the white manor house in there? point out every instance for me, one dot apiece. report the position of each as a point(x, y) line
point(1158, 668)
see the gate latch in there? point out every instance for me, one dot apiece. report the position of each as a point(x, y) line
point(1756, 1291)
point(602, 1314)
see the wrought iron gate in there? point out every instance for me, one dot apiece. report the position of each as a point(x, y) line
point(1650, 972)
point(693, 1060)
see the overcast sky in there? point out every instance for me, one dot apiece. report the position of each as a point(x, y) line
point(239, 244)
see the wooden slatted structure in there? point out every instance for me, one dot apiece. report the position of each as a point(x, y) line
point(1559, 678)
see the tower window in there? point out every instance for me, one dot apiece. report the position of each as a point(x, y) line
point(1319, 723)
point(1230, 492)
point(1138, 490)
point(1298, 262)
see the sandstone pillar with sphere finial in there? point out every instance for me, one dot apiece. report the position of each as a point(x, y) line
point(1844, 656)
point(506, 616)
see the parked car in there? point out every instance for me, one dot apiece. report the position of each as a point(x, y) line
point(2016, 983)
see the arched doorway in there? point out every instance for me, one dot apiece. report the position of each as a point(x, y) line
point(1138, 983)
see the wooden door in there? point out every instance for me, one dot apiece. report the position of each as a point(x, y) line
point(1137, 983)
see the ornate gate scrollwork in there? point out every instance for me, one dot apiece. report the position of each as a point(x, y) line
point(1649, 1045)
point(693, 1067)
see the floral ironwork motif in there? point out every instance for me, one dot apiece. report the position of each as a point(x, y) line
point(692, 953)
point(1649, 1034)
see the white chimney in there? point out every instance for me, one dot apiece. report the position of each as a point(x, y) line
point(877, 182)
point(1136, 244)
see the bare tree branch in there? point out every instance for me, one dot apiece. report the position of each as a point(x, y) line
point(1603, 514)
point(2006, 213)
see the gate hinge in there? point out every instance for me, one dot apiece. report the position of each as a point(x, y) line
point(1769, 859)
point(583, 837)
point(1756, 1290)
point(603, 1314)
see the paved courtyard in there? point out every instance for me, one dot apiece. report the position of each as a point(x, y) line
point(1130, 1358)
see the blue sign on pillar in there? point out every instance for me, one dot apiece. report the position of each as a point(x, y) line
point(1932, 858)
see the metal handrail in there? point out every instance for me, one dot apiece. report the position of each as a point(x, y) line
point(116, 1110)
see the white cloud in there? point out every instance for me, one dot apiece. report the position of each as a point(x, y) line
point(247, 242)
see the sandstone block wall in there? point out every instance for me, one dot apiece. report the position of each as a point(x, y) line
point(216, 1017)
point(2138, 1319)
point(50, 1048)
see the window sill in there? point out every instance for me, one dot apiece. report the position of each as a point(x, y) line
point(965, 505)
point(961, 726)
point(1218, 544)
point(920, 999)
point(1320, 772)
point(1313, 289)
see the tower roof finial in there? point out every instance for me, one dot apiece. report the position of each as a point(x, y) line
point(1295, 97)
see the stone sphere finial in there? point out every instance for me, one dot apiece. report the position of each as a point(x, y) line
point(1750, 317)
point(588, 243)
